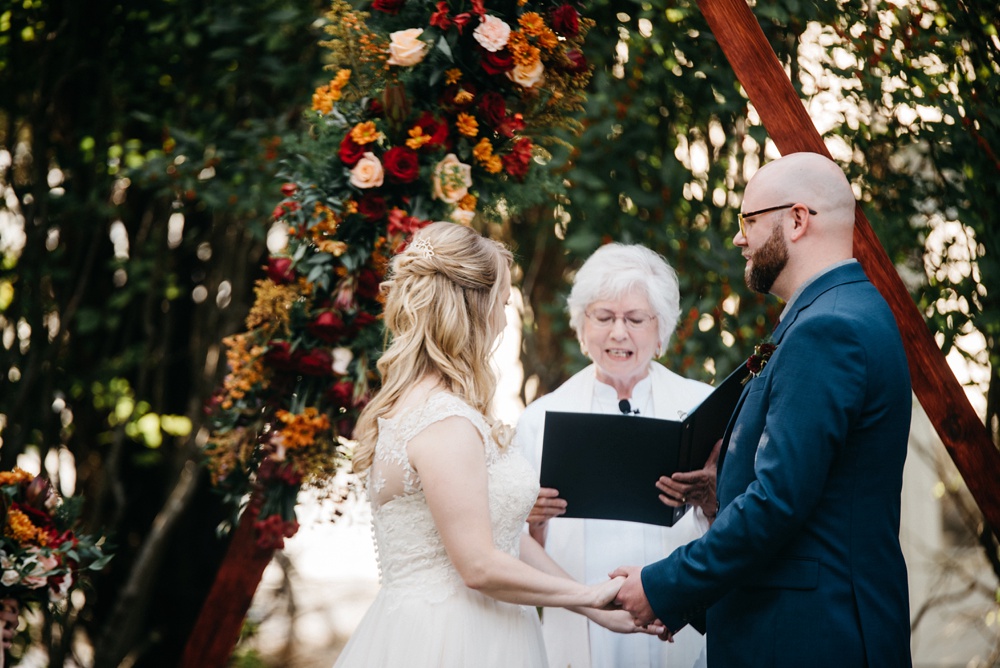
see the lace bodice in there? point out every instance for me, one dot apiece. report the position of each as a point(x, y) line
point(411, 554)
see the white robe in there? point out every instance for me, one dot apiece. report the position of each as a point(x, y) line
point(585, 548)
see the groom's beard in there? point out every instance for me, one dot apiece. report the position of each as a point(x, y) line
point(767, 262)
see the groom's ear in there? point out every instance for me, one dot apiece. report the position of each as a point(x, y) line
point(800, 222)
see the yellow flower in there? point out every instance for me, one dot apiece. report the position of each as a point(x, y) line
point(463, 97)
point(452, 76)
point(467, 125)
point(417, 137)
point(365, 133)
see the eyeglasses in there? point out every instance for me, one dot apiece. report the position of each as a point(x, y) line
point(742, 217)
point(605, 319)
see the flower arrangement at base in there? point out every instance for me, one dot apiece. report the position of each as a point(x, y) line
point(442, 110)
point(41, 553)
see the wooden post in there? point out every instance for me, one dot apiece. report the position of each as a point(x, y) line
point(788, 124)
point(219, 623)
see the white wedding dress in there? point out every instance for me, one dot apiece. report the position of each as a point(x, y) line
point(424, 615)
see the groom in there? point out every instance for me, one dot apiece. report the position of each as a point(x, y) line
point(802, 566)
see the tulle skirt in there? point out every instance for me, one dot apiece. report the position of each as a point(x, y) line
point(465, 630)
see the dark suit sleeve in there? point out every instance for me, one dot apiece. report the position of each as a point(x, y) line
point(802, 407)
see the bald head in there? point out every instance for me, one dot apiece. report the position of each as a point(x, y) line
point(813, 180)
point(816, 233)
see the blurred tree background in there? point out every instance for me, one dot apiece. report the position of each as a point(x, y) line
point(139, 146)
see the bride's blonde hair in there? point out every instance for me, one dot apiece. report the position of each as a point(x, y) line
point(442, 295)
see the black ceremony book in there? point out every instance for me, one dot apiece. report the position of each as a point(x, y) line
point(606, 466)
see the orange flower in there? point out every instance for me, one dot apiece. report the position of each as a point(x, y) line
point(20, 528)
point(467, 125)
point(452, 76)
point(300, 429)
point(483, 150)
point(417, 137)
point(15, 476)
point(365, 133)
point(532, 24)
point(522, 52)
point(548, 40)
point(463, 97)
point(468, 203)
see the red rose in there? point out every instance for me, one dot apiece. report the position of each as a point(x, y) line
point(372, 207)
point(316, 362)
point(279, 270)
point(279, 356)
point(368, 283)
point(401, 165)
point(492, 108)
point(350, 151)
point(289, 189)
point(518, 160)
point(284, 208)
point(566, 21)
point(327, 326)
point(577, 61)
point(388, 6)
point(363, 319)
point(511, 125)
point(341, 394)
point(375, 107)
point(496, 62)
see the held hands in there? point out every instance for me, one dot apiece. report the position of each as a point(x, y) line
point(605, 611)
point(694, 487)
point(632, 597)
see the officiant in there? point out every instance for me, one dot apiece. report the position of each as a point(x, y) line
point(623, 307)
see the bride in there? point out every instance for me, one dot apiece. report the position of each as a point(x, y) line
point(459, 578)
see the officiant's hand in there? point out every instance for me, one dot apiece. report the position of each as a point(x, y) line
point(693, 487)
point(547, 506)
point(632, 597)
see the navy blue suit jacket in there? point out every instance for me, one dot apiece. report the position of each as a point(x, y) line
point(803, 567)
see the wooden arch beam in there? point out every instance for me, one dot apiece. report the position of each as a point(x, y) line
point(792, 130)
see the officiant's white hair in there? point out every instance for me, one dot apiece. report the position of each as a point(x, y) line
point(614, 270)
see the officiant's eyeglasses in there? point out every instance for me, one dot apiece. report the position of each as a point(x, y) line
point(605, 319)
point(742, 217)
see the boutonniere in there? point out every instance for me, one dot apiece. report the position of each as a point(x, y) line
point(755, 363)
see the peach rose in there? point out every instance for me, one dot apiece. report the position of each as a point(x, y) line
point(527, 76)
point(405, 47)
point(492, 33)
point(452, 179)
point(368, 172)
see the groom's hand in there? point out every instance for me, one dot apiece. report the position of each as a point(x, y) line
point(632, 597)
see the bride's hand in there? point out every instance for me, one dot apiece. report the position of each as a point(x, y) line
point(605, 593)
point(620, 621)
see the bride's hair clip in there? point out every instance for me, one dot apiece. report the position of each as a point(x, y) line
point(424, 247)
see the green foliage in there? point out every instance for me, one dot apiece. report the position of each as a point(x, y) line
point(139, 143)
